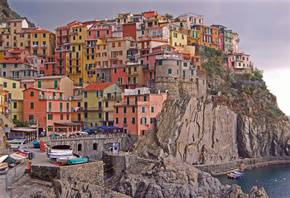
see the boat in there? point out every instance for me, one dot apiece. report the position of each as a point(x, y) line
point(3, 158)
point(235, 175)
point(36, 144)
point(18, 158)
point(10, 161)
point(63, 160)
point(15, 143)
point(77, 161)
point(3, 168)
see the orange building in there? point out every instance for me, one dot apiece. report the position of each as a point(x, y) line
point(49, 109)
point(209, 36)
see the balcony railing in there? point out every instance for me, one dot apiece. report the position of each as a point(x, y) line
point(34, 46)
point(45, 97)
point(169, 56)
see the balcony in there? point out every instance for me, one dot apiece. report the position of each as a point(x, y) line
point(168, 56)
point(118, 97)
point(45, 97)
point(34, 46)
point(93, 109)
point(43, 46)
point(113, 57)
point(7, 46)
point(73, 65)
point(74, 72)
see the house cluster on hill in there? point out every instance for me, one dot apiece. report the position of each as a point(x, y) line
point(104, 72)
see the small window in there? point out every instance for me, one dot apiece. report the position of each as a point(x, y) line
point(117, 120)
point(95, 146)
point(31, 105)
point(61, 116)
point(32, 93)
point(169, 71)
point(14, 85)
point(67, 117)
point(143, 109)
point(5, 84)
point(152, 109)
point(125, 109)
point(79, 147)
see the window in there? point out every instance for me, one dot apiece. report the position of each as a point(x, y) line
point(31, 117)
point(117, 120)
point(67, 107)
point(14, 85)
point(152, 109)
point(80, 37)
point(55, 84)
point(31, 105)
point(143, 120)
point(79, 147)
point(196, 59)
point(100, 115)
point(14, 117)
point(145, 98)
point(125, 109)
point(15, 65)
point(32, 93)
point(185, 64)
point(39, 84)
point(60, 107)
point(106, 104)
point(125, 121)
point(4, 65)
point(44, 35)
point(152, 120)
point(133, 120)
point(50, 116)
point(15, 105)
point(5, 84)
point(61, 116)
point(192, 72)
point(117, 110)
point(35, 35)
point(50, 128)
point(133, 109)
point(95, 146)
point(169, 71)
point(143, 109)
point(85, 94)
point(67, 117)
point(108, 32)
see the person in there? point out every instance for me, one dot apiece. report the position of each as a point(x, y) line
point(129, 134)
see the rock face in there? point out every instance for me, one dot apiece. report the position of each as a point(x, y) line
point(263, 138)
point(173, 178)
point(198, 132)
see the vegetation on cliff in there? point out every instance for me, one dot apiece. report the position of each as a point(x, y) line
point(7, 14)
point(244, 93)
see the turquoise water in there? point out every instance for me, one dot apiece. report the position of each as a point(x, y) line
point(275, 179)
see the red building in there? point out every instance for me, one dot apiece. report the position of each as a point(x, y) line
point(130, 30)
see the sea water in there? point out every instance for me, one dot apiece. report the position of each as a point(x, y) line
point(275, 179)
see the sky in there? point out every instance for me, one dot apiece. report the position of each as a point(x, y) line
point(263, 26)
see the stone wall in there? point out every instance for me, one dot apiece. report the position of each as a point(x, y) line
point(92, 173)
point(92, 145)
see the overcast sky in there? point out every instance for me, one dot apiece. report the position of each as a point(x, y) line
point(263, 26)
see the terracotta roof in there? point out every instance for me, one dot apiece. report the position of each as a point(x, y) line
point(63, 27)
point(97, 86)
point(41, 31)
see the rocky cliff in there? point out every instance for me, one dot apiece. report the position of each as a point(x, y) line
point(173, 178)
point(7, 14)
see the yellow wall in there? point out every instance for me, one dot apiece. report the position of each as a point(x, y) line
point(40, 38)
point(181, 38)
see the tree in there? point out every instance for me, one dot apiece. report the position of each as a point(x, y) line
point(169, 16)
point(20, 123)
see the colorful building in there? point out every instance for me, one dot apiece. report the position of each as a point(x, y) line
point(239, 62)
point(49, 109)
point(42, 43)
point(62, 83)
point(98, 100)
point(189, 19)
point(208, 35)
point(137, 111)
point(15, 98)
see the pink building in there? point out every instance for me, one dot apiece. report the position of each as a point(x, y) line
point(137, 111)
point(16, 54)
point(99, 31)
point(239, 62)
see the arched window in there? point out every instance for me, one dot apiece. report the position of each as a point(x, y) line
point(95, 146)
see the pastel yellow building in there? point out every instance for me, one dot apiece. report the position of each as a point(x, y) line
point(90, 61)
point(77, 114)
point(124, 18)
point(15, 98)
point(3, 102)
point(42, 43)
point(75, 67)
point(193, 37)
point(178, 37)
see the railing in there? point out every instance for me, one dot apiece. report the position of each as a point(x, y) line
point(14, 174)
point(169, 56)
point(43, 46)
point(34, 46)
point(45, 97)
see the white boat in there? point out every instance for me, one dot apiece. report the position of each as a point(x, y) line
point(18, 158)
point(55, 153)
point(3, 168)
point(63, 160)
point(3, 157)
